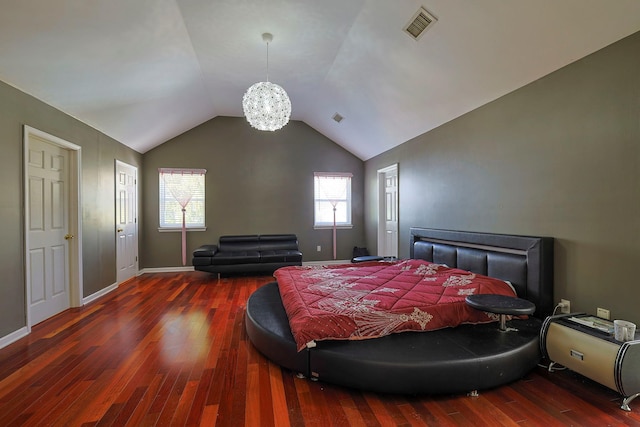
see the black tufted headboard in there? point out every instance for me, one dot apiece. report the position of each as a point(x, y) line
point(526, 262)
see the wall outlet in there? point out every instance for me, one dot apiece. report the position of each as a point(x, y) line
point(603, 312)
point(319, 248)
point(565, 306)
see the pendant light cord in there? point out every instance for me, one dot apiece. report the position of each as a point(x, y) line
point(267, 61)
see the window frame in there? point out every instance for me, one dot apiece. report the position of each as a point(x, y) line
point(165, 195)
point(347, 200)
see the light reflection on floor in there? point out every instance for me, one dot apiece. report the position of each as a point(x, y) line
point(184, 337)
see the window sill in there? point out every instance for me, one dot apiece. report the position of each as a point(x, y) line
point(179, 229)
point(330, 227)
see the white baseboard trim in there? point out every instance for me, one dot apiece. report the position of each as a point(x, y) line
point(190, 268)
point(329, 262)
point(14, 336)
point(100, 293)
point(165, 270)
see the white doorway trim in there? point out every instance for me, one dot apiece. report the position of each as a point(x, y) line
point(382, 231)
point(75, 217)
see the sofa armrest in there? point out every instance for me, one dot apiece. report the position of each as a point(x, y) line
point(205, 251)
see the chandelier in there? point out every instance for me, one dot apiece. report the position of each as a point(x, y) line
point(266, 105)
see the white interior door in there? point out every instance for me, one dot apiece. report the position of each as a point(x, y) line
point(388, 211)
point(126, 177)
point(48, 229)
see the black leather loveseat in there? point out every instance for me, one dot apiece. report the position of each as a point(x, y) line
point(252, 253)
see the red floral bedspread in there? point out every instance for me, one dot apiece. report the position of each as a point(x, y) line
point(369, 300)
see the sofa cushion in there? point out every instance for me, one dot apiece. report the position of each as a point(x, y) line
point(280, 256)
point(235, 257)
point(277, 237)
point(294, 256)
point(201, 260)
point(276, 242)
point(238, 243)
point(205, 251)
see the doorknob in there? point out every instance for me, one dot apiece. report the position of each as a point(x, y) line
point(68, 236)
point(120, 230)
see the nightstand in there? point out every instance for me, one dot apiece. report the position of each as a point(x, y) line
point(592, 351)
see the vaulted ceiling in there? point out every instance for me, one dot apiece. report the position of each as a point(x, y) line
point(144, 71)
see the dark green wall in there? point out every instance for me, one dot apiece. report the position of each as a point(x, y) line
point(256, 183)
point(559, 157)
point(98, 239)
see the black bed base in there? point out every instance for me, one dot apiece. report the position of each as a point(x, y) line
point(452, 360)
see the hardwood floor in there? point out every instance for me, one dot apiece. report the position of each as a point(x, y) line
point(171, 349)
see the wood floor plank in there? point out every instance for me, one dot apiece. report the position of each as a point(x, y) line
point(280, 408)
point(388, 413)
point(265, 397)
point(252, 400)
point(142, 409)
point(338, 404)
point(518, 407)
point(311, 405)
point(200, 398)
point(40, 367)
point(60, 383)
point(171, 349)
point(293, 402)
point(483, 410)
point(430, 412)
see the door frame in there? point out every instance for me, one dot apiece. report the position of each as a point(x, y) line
point(381, 204)
point(75, 217)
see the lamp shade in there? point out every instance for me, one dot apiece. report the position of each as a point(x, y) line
point(266, 106)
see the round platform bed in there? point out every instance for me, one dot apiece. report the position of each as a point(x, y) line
point(452, 360)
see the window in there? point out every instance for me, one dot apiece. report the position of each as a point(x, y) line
point(332, 193)
point(181, 188)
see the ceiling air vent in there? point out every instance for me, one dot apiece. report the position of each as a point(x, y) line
point(419, 23)
point(337, 117)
